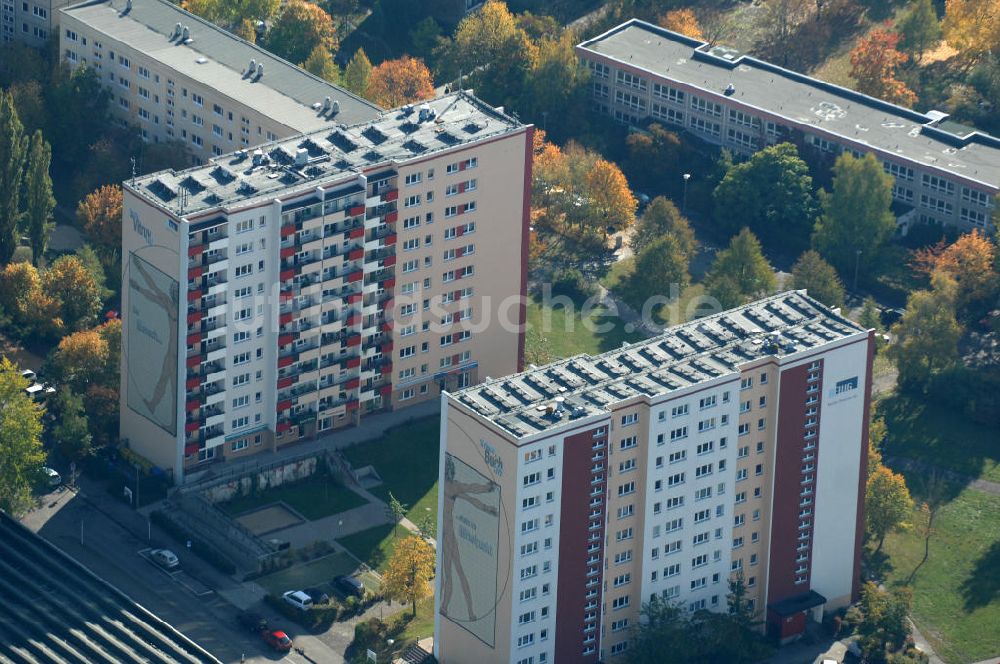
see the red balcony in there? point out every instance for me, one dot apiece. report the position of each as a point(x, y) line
point(386, 369)
point(288, 274)
point(385, 390)
point(193, 361)
point(352, 405)
point(354, 363)
point(387, 326)
point(392, 217)
point(392, 194)
point(354, 276)
point(354, 298)
point(287, 230)
point(285, 318)
point(196, 272)
point(389, 261)
point(353, 320)
point(460, 231)
point(352, 384)
point(286, 361)
point(389, 283)
point(191, 448)
point(456, 358)
point(390, 240)
point(283, 427)
point(195, 250)
point(194, 295)
point(191, 427)
point(285, 339)
point(459, 252)
point(193, 404)
point(353, 340)
point(356, 233)
point(356, 254)
point(457, 316)
point(193, 383)
point(357, 210)
point(387, 304)
point(193, 338)
point(386, 348)
point(287, 251)
point(285, 382)
point(284, 405)
point(194, 317)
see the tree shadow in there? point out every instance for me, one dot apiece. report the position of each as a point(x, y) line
point(983, 585)
point(877, 564)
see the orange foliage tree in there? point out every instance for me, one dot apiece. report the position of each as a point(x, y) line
point(100, 214)
point(969, 261)
point(972, 26)
point(301, 27)
point(683, 21)
point(874, 65)
point(401, 81)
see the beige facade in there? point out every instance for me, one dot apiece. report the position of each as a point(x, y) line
point(32, 22)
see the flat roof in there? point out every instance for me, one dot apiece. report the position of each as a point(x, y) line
point(804, 101)
point(220, 60)
point(684, 355)
point(56, 610)
point(330, 154)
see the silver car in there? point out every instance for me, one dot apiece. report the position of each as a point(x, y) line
point(165, 558)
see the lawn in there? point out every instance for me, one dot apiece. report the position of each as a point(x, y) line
point(685, 309)
point(957, 591)
point(318, 572)
point(421, 626)
point(375, 545)
point(940, 436)
point(569, 333)
point(315, 497)
point(407, 460)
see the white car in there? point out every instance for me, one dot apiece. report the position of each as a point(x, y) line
point(165, 558)
point(51, 476)
point(298, 599)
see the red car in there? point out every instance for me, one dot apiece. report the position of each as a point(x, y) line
point(277, 640)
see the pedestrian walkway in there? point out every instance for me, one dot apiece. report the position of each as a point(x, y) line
point(903, 463)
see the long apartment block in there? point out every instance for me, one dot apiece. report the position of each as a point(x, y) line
point(944, 172)
point(322, 279)
point(178, 77)
point(572, 493)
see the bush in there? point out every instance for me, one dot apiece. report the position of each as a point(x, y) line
point(571, 283)
point(316, 618)
point(181, 534)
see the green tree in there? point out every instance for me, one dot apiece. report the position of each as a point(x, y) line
point(13, 151)
point(661, 217)
point(424, 37)
point(740, 272)
point(927, 335)
point(20, 440)
point(869, 317)
point(72, 430)
point(69, 283)
point(659, 265)
point(856, 219)
point(919, 29)
point(772, 194)
point(38, 200)
point(819, 278)
point(357, 72)
point(887, 504)
point(398, 511)
point(557, 87)
point(884, 623)
point(320, 63)
point(300, 28)
point(656, 156)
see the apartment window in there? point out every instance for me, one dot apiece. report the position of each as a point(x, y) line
point(674, 502)
point(678, 434)
point(626, 489)
point(197, 99)
point(675, 479)
point(897, 170)
point(703, 470)
point(626, 511)
point(677, 457)
point(619, 602)
point(705, 448)
point(623, 557)
point(668, 93)
point(705, 126)
point(626, 466)
point(974, 217)
point(624, 534)
point(631, 80)
point(935, 204)
point(628, 443)
point(977, 197)
point(628, 420)
point(703, 493)
point(630, 101)
point(938, 184)
point(678, 411)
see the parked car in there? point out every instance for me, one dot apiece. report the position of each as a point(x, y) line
point(350, 585)
point(29, 375)
point(277, 639)
point(252, 621)
point(318, 595)
point(891, 316)
point(298, 599)
point(52, 478)
point(165, 558)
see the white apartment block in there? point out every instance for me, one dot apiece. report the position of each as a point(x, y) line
point(573, 493)
point(944, 172)
point(319, 280)
point(29, 21)
point(180, 78)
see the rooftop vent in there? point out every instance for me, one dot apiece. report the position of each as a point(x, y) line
point(128, 6)
point(327, 102)
point(178, 28)
point(730, 89)
point(185, 34)
point(260, 69)
point(252, 67)
point(335, 107)
point(426, 113)
point(301, 157)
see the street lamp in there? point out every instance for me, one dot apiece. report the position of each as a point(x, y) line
point(684, 201)
point(857, 263)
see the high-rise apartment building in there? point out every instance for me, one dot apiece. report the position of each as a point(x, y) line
point(29, 21)
point(572, 493)
point(944, 172)
point(180, 78)
point(274, 294)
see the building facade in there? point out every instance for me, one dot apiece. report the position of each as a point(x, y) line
point(29, 21)
point(179, 78)
point(322, 279)
point(572, 493)
point(944, 172)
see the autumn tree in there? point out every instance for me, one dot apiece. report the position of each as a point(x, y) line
point(919, 29)
point(402, 81)
point(410, 570)
point(740, 272)
point(771, 193)
point(20, 440)
point(683, 21)
point(69, 282)
point(972, 27)
point(874, 64)
point(32, 311)
point(557, 87)
point(610, 200)
point(231, 14)
point(13, 153)
point(655, 156)
point(884, 624)
point(887, 504)
point(100, 214)
point(320, 63)
point(819, 278)
point(247, 30)
point(300, 28)
point(38, 200)
point(856, 219)
point(357, 72)
point(927, 335)
point(71, 431)
point(80, 359)
point(969, 261)
point(662, 218)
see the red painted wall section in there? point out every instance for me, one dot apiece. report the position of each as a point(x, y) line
point(574, 522)
point(859, 535)
point(522, 313)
